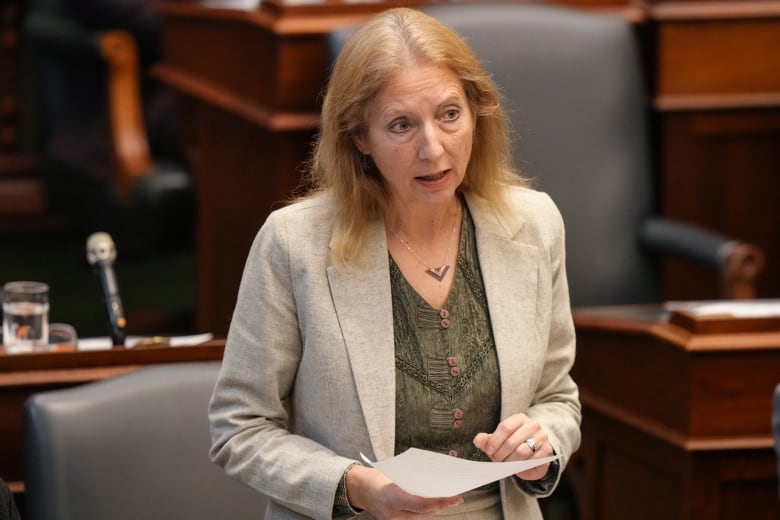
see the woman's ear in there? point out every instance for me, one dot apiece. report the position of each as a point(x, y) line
point(360, 144)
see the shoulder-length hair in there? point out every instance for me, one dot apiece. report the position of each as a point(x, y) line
point(386, 43)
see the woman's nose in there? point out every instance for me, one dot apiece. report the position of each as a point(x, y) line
point(430, 145)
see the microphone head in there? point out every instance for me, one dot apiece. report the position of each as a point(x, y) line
point(100, 248)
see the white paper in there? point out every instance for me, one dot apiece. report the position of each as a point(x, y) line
point(429, 474)
point(241, 5)
point(736, 308)
point(104, 343)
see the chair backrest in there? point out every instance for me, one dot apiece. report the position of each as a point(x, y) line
point(130, 447)
point(776, 429)
point(573, 91)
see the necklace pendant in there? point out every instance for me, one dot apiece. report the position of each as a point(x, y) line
point(438, 272)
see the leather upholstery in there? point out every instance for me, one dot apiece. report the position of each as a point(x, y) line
point(573, 93)
point(134, 446)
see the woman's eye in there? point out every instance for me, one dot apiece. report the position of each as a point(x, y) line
point(451, 114)
point(400, 126)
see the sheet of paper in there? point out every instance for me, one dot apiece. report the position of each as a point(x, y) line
point(428, 474)
point(245, 5)
point(104, 343)
point(760, 308)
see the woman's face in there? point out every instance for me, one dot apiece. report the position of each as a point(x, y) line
point(419, 134)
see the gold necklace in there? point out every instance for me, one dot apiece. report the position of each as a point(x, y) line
point(435, 272)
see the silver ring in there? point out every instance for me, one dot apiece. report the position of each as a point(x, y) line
point(532, 444)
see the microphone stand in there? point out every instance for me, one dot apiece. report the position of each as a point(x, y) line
point(101, 254)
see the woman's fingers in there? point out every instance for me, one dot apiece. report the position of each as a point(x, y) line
point(370, 490)
point(516, 438)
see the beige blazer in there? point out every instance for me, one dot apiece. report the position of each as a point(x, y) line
point(308, 377)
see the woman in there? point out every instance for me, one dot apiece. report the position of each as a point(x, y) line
point(417, 297)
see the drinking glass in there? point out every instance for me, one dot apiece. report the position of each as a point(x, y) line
point(25, 317)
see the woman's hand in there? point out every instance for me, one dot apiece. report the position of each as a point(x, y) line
point(511, 442)
point(369, 489)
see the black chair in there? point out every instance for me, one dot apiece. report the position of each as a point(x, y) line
point(130, 447)
point(573, 91)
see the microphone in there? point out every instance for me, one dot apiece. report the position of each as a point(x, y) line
point(101, 254)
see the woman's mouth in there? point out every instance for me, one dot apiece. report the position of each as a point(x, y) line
point(433, 177)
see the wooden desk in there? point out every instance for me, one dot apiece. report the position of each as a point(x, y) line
point(22, 375)
point(676, 416)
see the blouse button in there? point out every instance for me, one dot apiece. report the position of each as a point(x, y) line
point(452, 361)
point(452, 453)
point(457, 413)
point(444, 313)
point(455, 371)
point(457, 424)
point(445, 323)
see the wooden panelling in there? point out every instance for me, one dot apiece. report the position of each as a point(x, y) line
point(257, 171)
point(10, 66)
point(732, 57)
point(716, 100)
point(675, 423)
point(721, 168)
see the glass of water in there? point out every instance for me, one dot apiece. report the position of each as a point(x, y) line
point(25, 317)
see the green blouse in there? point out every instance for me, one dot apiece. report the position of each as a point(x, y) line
point(447, 380)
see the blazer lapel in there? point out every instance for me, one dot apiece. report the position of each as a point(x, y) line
point(362, 298)
point(509, 264)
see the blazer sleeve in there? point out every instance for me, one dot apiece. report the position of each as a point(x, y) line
point(250, 423)
point(555, 405)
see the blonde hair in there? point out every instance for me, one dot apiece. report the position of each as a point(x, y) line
point(386, 43)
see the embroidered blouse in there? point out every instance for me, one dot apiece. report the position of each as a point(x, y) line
point(447, 378)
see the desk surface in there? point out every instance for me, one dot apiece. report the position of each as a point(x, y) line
point(678, 324)
point(66, 357)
